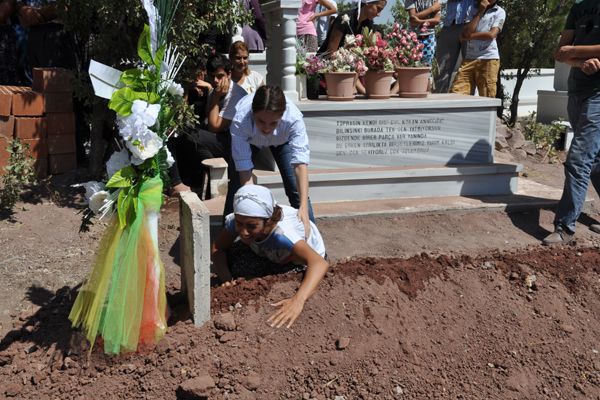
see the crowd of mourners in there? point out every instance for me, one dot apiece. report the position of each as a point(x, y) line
point(239, 115)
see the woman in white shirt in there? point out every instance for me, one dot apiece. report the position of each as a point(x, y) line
point(273, 232)
point(241, 73)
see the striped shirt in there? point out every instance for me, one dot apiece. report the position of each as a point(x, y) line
point(460, 11)
point(291, 129)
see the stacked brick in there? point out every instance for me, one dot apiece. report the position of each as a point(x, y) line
point(43, 118)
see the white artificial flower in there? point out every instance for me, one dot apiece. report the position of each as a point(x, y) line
point(170, 159)
point(345, 18)
point(97, 200)
point(118, 160)
point(91, 188)
point(144, 147)
point(147, 113)
point(153, 21)
point(175, 89)
point(350, 40)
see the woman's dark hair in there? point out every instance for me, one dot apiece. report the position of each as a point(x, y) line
point(218, 61)
point(277, 214)
point(269, 98)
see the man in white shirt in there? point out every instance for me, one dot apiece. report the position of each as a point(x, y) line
point(482, 59)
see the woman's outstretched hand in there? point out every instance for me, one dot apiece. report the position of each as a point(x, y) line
point(304, 218)
point(289, 310)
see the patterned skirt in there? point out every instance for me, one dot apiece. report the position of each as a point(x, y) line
point(429, 49)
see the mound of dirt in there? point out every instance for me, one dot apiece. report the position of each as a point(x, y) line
point(519, 325)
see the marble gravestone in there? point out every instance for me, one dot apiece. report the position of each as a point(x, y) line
point(373, 149)
point(441, 145)
point(441, 130)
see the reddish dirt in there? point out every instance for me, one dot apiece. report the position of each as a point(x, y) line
point(462, 305)
point(418, 328)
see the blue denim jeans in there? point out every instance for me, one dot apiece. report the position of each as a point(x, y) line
point(283, 157)
point(583, 161)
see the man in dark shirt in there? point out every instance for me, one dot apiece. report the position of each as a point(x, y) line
point(579, 46)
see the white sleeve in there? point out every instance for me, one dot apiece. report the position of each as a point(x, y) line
point(237, 93)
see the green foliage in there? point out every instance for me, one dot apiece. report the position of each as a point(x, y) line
point(400, 14)
point(17, 174)
point(106, 31)
point(344, 7)
point(531, 32)
point(529, 38)
point(544, 136)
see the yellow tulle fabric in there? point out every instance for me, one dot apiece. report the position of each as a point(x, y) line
point(124, 300)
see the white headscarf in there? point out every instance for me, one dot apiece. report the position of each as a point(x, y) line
point(364, 2)
point(254, 201)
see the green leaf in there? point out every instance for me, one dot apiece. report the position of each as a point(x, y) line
point(144, 48)
point(132, 77)
point(123, 206)
point(122, 100)
point(159, 56)
point(123, 178)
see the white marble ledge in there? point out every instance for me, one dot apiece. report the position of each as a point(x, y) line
point(433, 101)
point(355, 174)
point(273, 5)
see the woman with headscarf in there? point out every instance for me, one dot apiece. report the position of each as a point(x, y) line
point(272, 232)
point(351, 23)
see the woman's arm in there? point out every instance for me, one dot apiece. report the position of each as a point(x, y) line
point(331, 9)
point(435, 8)
point(291, 308)
point(335, 39)
point(301, 172)
point(216, 123)
point(218, 255)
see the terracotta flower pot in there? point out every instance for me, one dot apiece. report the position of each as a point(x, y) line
point(378, 84)
point(413, 81)
point(340, 85)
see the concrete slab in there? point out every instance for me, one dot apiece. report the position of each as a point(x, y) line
point(529, 195)
point(194, 222)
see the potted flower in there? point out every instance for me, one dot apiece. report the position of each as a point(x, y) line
point(412, 75)
point(308, 66)
point(313, 65)
point(377, 56)
point(340, 71)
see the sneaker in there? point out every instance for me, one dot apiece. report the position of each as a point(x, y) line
point(595, 228)
point(558, 237)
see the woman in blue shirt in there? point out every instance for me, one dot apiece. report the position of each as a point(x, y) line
point(266, 119)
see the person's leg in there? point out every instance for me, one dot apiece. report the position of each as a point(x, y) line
point(465, 78)
point(234, 182)
point(584, 114)
point(283, 157)
point(428, 49)
point(447, 56)
point(196, 147)
point(486, 77)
